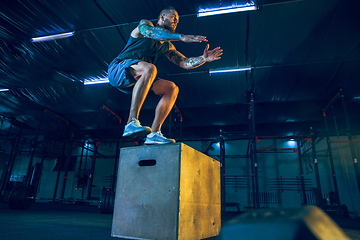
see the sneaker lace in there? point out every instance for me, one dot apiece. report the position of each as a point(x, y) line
point(136, 122)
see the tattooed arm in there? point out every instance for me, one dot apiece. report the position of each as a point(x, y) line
point(184, 62)
point(147, 29)
point(193, 62)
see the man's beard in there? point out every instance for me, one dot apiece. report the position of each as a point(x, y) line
point(167, 25)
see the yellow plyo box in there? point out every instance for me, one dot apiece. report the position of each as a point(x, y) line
point(167, 192)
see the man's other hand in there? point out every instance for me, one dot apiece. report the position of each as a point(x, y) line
point(212, 55)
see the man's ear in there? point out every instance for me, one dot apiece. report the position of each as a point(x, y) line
point(162, 17)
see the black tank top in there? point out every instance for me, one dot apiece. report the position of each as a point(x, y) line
point(144, 49)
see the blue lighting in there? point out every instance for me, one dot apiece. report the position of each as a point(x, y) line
point(52, 37)
point(229, 9)
point(211, 71)
point(95, 81)
point(292, 143)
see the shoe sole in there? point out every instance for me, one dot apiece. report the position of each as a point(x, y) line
point(157, 143)
point(138, 134)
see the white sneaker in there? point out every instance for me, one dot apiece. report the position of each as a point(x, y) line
point(157, 138)
point(134, 129)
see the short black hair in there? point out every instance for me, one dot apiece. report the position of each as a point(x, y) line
point(166, 10)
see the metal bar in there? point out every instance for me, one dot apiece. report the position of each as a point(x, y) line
point(117, 154)
point(275, 152)
point(85, 163)
point(108, 109)
point(252, 116)
point(170, 122)
point(231, 156)
point(92, 171)
point(251, 152)
point(332, 101)
point(235, 184)
point(8, 132)
point(66, 200)
point(331, 159)
point(351, 143)
point(81, 156)
point(222, 172)
point(57, 115)
point(67, 166)
point(181, 122)
point(3, 177)
point(10, 164)
point(276, 149)
point(178, 111)
point(318, 185)
point(60, 164)
point(34, 145)
point(36, 184)
point(316, 142)
point(284, 137)
point(344, 141)
point(301, 175)
point(181, 130)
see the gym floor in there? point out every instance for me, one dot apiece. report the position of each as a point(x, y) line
point(70, 222)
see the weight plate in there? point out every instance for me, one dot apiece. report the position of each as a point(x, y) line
point(112, 202)
point(14, 197)
point(24, 198)
point(103, 194)
point(107, 202)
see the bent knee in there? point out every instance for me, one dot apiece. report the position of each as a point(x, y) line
point(172, 88)
point(149, 68)
point(143, 69)
point(175, 89)
point(162, 87)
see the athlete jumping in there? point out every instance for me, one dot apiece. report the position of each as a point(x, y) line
point(133, 71)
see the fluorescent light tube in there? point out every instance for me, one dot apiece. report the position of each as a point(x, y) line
point(226, 10)
point(4, 89)
point(52, 37)
point(97, 81)
point(211, 71)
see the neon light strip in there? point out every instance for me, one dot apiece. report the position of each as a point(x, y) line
point(4, 89)
point(99, 81)
point(211, 71)
point(223, 11)
point(52, 37)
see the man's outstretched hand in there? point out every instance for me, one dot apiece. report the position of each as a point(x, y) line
point(212, 55)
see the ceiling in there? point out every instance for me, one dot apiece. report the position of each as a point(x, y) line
point(301, 53)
